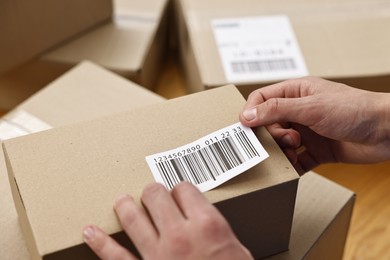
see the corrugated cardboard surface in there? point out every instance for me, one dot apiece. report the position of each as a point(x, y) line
point(85, 166)
point(134, 41)
point(28, 28)
point(322, 215)
point(340, 40)
point(86, 92)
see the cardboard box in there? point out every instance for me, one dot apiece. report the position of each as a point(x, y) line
point(322, 216)
point(319, 227)
point(28, 28)
point(85, 166)
point(342, 41)
point(85, 92)
point(132, 45)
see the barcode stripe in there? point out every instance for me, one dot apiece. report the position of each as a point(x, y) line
point(237, 154)
point(218, 160)
point(250, 145)
point(212, 162)
point(167, 177)
point(189, 165)
point(246, 144)
point(202, 169)
point(263, 65)
point(179, 170)
point(222, 156)
point(197, 167)
point(208, 162)
point(229, 157)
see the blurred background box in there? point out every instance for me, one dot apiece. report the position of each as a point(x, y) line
point(28, 28)
point(345, 41)
point(85, 92)
point(133, 45)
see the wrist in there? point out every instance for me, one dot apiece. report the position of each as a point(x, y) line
point(383, 122)
point(384, 115)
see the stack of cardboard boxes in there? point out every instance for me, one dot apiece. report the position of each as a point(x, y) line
point(85, 92)
point(30, 28)
point(132, 43)
point(96, 127)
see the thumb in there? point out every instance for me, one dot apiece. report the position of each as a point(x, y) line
point(275, 110)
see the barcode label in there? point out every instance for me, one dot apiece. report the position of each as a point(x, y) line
point(209, 161)
point(263, 65)
point(258, 48)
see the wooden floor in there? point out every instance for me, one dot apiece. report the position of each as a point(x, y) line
point(369, 236)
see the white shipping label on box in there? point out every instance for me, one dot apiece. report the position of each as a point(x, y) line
point(20, 123)
point(209, 161)
point(258, 49)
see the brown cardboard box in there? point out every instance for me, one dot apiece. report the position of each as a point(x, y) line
point(84, 167)
point(322, 215)
point(132, 45)
point(28, 28)
point(321, 218)
point(85, 92)
point(344, 41)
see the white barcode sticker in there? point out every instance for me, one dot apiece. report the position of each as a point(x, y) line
point(209, 161)
point(20, 123)
point(258, 48)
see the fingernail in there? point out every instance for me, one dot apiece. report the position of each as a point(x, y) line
point(89, 233)
point(249, 114)
point(120, 198)
point(287, 140)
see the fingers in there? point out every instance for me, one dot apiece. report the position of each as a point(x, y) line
point(281, 102)
point(135, 222)
point(280, 110)
point(204, 235)
point(291, 155)
point(293, 88)
point(285, 136)
point(206, 222)
point(104, 246)
point(191, 201)
point(162, 207)
point(306, 162)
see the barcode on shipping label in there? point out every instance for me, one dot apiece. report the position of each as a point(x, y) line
point(209, 161)
point(258, 48)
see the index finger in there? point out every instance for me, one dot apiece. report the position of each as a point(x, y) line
point(192, 202)
point(285, 89)
point(162, 207)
